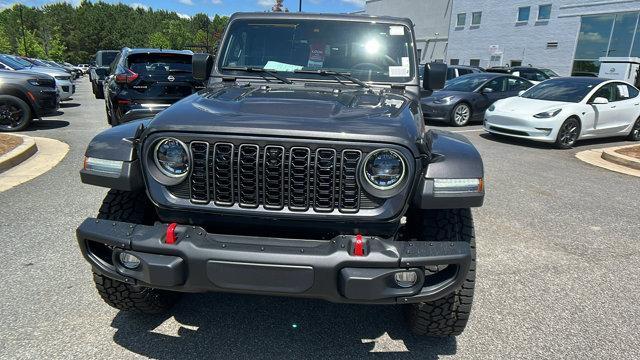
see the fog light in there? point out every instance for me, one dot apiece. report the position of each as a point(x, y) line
point(406, 279)
point(129, 261)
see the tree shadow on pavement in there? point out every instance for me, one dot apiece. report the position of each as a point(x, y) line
point(46, 125)
point(229, 326)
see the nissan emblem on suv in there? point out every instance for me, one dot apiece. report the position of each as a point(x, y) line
point(171, 78)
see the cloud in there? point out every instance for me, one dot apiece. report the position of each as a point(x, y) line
point(139, 6)
point(354, 2)
point(183, 16)
point(186, 2)
point(266, 3)
point(216, 2)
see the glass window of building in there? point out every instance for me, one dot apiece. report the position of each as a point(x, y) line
point(523, 13)
point(476, 18)
point(623, 29)
point(474, 62)
point(454, 61)
point(544, 12)
point(462, 19)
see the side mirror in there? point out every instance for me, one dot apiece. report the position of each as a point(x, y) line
point(435, 75)
point(521, 92)
point(486, 90)
point(202, 65)
point(600, 101)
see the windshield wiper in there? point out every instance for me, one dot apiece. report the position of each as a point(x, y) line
point(335, 74)
point(259, 70)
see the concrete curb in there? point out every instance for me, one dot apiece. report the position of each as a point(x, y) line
point(594, 157)
point(21, 153)
point(50, 153)
point(611, 155)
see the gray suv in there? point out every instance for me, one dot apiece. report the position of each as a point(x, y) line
point(25, 96)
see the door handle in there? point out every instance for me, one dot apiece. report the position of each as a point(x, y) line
point(636, 104)
point(613, 107)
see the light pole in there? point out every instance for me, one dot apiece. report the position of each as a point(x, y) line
point(300, 6)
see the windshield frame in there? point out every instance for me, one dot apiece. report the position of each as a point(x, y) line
point(218, 72)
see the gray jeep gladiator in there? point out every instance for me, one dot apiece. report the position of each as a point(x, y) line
point(303, 169)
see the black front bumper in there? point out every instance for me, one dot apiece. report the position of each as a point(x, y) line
point(201, 261)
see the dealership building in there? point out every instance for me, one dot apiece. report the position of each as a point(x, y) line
point(565, 36)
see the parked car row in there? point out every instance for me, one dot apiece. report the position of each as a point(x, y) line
point(63, 79)
point(537, 104)
point(140, 83)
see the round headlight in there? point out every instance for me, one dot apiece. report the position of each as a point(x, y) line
point(172, 157)
point(384, 169)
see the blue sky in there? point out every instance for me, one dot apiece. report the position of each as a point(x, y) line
point(223, 7)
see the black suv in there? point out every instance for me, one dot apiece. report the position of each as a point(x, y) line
point(99, 70)
point(303, 169)
point(25, 96)
point(143, 82)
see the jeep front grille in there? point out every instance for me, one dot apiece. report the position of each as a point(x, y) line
point(275, 177)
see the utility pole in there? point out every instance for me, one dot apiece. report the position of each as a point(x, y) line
point(300, 6)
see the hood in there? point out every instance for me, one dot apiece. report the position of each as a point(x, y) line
point(46, 70)
point(10, 74)
point(440, 94)
point(520, 105)
point(318, 112)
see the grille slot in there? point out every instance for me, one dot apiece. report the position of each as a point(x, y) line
point(223, 174)
point(299, 165)
point(349, 188)
point(276, 177)
point(199, 177)
point(273, 178)
point(248, 156)
point(325, 178)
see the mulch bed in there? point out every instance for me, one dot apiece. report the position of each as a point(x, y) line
point(8, 143)
point(634, 152)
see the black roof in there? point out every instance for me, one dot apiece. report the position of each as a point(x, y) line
point(318, 16)
point(151, 50)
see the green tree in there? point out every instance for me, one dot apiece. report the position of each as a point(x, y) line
point(158, 40)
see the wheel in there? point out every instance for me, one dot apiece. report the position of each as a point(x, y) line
point(132, 207)
point(447, 316)
point(110, 120)
point(15, 114)
point(568, 134)
point(461, 115)
point(634, 135)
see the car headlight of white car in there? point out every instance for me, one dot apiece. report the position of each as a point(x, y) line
point(547, 114)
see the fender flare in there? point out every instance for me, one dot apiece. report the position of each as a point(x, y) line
point(452, 156)
point(117, 144)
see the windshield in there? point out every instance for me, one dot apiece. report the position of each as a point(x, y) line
point(565, 90)
point(466, 83)
point(159, 64)
point(550, 73)
point(39, 63)
point(368, 51)
point(108, 57)
point(11, 62)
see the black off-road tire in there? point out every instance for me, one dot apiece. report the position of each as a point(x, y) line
point(132, 207)
point(447, 316)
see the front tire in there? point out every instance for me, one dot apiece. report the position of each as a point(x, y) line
point(568, 133)
point(15, 114)
point(447, 316)
point(634, 135)
point(461, 115)
point(133, 207)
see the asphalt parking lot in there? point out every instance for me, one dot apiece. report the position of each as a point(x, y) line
point(558, 270)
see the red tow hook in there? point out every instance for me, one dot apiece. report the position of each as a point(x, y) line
point(171, 234)
point(358, 246)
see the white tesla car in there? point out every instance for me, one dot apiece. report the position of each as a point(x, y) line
point(564, 110)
